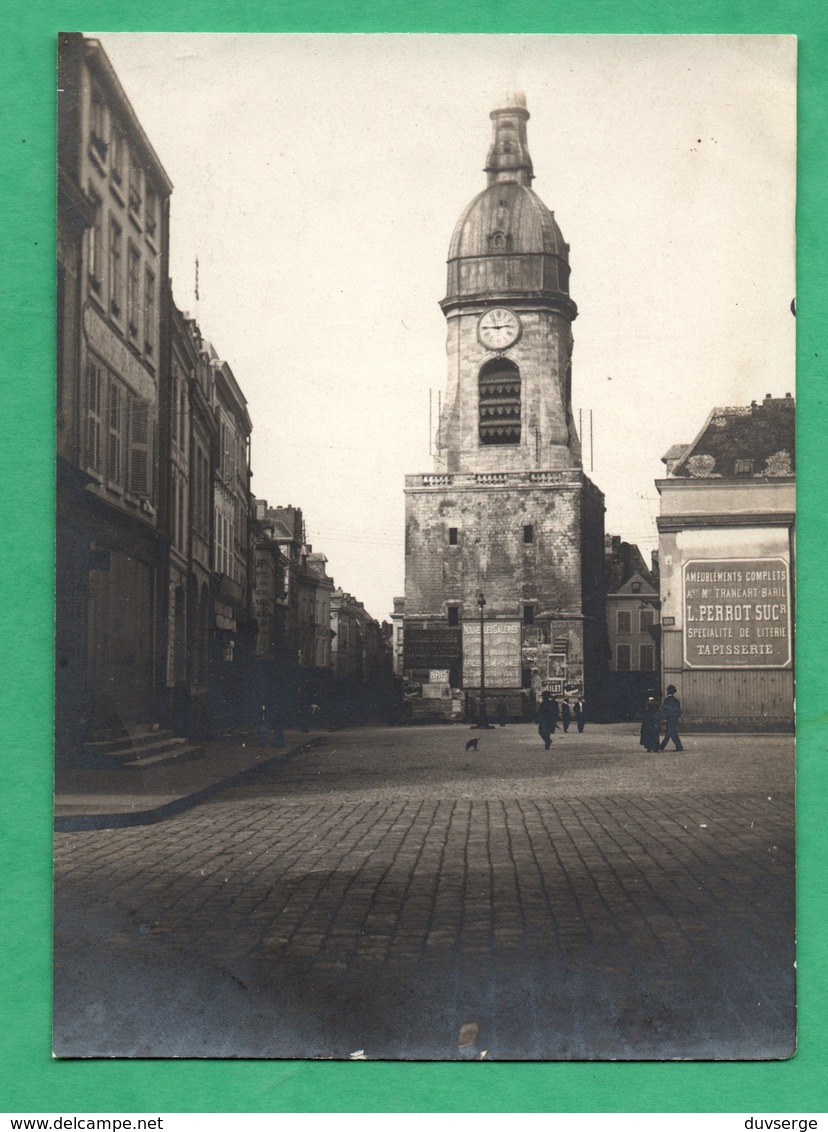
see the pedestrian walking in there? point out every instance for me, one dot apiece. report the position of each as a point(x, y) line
point(650, 724)
point(547, 715)
point(566, 715)
point(672, 711)
point(580, 717)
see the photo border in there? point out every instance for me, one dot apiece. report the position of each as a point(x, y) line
point(33, 1081)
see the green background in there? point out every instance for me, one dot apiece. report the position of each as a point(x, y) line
point(29, 1079)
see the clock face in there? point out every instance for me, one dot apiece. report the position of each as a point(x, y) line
point(498, 328)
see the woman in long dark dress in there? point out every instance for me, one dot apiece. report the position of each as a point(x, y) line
point(649, 739)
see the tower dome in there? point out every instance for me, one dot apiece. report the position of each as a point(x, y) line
point(507, 243)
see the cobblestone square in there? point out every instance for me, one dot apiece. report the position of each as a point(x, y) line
point(390, 893)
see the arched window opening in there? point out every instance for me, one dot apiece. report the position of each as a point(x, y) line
point(499, 402)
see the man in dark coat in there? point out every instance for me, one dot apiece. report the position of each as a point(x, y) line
point(672, 710)
point(547, 715)
point(566, 715)
point(580, 714)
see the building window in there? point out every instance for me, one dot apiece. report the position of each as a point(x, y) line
point(149, 311)
point(115, 265)
point(94, 386)
point(647, 658)
point(133, 287)
point(646, 619)
point(182, 517)
point(499, 402)
point(97, 124)
point(454, 615)
point(528, 615)
point(528, 533)
point(623, 658)
point(151, 212)
point(452, 536)
point(96, 244)
point(139, 448)
point(114, 459)
point(116, 164)
point(135, 188)
point(182, 412)
point(624, 622)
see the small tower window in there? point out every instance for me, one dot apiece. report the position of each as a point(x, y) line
point(453, 615)
point(528, 533)
point(499, 402)
point(452, 536)
point(528, 615)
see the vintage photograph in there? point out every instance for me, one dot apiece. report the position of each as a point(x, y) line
point(425, 488)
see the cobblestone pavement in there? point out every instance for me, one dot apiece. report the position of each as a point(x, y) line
point(391, 893)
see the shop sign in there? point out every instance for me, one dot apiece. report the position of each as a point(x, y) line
point(737, 613)
point(501, 653)
point(117, 356)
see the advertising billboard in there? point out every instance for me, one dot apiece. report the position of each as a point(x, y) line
point(737, 613)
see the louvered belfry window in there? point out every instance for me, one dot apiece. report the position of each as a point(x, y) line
point(499, 397)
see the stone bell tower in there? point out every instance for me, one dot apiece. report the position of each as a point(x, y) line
point(507, 513)
point(509, 321)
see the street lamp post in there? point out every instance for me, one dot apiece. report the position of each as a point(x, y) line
point(482, 721)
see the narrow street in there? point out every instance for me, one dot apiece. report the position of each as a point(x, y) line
point(392, 895)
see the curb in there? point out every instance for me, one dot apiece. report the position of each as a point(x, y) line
point(76, 823)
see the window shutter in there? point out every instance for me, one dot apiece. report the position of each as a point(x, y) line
point(93, 429)
point(114, 456)
point(139, 444)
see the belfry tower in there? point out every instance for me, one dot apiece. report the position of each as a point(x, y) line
point(504, 539)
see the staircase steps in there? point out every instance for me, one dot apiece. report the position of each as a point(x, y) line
point(139, 749)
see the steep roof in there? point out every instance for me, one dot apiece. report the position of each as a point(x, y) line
point(757, 440)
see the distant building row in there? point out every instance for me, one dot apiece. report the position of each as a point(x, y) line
point(180, 598)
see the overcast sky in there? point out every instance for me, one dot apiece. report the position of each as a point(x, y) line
point(318, 180)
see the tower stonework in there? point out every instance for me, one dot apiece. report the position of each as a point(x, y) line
point(507, 511)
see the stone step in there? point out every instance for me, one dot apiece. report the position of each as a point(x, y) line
point(147, 749)
point(163, 758)
point(127, 741)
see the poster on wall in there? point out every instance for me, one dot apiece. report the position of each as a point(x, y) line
point(501, 654)
point(737, 613)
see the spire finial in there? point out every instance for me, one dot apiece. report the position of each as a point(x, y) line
point(508, 158)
